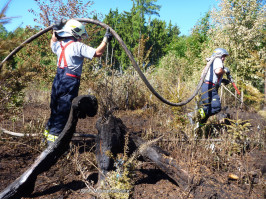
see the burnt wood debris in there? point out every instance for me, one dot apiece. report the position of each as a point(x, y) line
point(111, 136)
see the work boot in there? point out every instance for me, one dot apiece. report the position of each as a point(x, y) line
point(202, 119)
point(49, 138)
point(196, 116)
point(202, 114)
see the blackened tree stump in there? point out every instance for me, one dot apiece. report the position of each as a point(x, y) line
point(111, 137)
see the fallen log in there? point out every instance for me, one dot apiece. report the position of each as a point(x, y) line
point(82, 106)
point(166, 163)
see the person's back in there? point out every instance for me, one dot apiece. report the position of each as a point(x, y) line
point(75, 52)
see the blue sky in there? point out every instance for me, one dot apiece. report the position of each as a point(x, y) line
point(183, 13)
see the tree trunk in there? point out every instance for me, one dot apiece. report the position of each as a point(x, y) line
point(109, 142)
point(166, 163)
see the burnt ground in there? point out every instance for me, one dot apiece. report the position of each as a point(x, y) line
point(65, 180)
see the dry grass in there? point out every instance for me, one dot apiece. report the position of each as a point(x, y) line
point(217, 147)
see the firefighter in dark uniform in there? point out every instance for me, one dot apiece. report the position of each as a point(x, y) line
point(66, 44)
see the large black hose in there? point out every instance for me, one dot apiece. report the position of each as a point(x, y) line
point(134, 63)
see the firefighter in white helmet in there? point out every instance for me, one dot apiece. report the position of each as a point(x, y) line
point(210, 100)
point(66, 44)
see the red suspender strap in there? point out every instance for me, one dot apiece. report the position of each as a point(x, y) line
point(72, 75)
point(210, 83)
point(62, 55)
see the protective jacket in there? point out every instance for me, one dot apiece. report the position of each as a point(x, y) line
point(211, 76)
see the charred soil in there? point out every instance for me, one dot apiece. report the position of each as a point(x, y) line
point(212, 171)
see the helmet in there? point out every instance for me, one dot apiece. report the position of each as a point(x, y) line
point(73, 28)
point(220, 52)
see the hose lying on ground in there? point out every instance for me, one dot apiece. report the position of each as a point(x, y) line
point(134, 63)
point(40, 134)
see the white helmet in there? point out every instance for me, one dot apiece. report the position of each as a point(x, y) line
point(73, 28)
point(220, 52)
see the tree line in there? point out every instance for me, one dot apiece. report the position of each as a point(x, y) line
point(236, 25)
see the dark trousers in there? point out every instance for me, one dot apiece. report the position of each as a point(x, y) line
point(210, 100)
point(65, 88)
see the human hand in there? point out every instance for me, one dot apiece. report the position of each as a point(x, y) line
point(225, 81)
point(108, 36)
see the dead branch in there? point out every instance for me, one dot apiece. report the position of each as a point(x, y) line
point(166, 163)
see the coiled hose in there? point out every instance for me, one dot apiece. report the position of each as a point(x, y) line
point(134, 63)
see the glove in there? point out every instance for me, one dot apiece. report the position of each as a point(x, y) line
point(230, 78)
point(225, 81)
point(108, 36)
point(227, 71)
point(59, 24)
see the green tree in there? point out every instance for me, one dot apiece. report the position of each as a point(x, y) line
point(125, 30)
point(195, 43)
point(131, 27)
point(140, 9)
point(4, 46)
point(158, 35)
point(173, 32)
point(3, 32)
point(188, 49)
point(12, 79)
point(113, 53)
point(6, 43)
